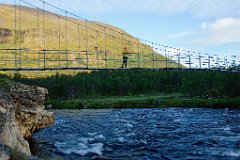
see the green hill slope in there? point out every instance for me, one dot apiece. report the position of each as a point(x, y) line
point(68, 41)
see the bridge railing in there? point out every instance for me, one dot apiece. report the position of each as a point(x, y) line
point(17, 59)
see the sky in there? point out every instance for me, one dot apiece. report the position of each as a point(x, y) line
point(207, 26)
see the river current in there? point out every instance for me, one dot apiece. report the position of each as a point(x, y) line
point(141, 134)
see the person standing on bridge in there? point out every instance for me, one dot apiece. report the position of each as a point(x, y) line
point(125, 54)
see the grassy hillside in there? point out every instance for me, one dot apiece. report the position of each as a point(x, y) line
point(69, 37)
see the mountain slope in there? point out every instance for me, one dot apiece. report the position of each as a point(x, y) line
point(67, 39)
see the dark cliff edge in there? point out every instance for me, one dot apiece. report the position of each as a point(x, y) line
point(22, 112)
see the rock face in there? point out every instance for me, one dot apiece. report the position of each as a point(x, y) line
point(21, 113)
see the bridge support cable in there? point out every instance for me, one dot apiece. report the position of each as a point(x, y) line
point(129, 49)
point(86, 29)
point(200, 61)
point(122, 42)
point(209, 62)
point(44, 36)
point(143, 56)
point(66, 38)
point(189, 59)
point(113, 53)
point(15, 33)
point(105, 48)
point(38, 38)
point(226, 62)
point(179, 58)
point(166, 57)
point(59, 42)
point(138, 46)
point(79, 46)
point(97, 48)
point(153, 56)
point(20, 33)
point(113, 47)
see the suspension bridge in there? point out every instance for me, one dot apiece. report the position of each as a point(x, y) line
point(43, 36)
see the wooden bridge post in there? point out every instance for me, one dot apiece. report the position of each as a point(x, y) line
point(139, 63)
point(86, 25)
point(15, 30)
point(166, 57)
point(153, 56)
point(105, 47)
point(179, 58)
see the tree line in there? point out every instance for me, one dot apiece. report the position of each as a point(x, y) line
point(138, 82)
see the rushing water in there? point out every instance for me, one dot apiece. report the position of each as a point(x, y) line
point(170, 133)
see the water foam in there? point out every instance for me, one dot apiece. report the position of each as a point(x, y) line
point(129, 125)
point(227, 129)
point(232, 154)
point(83, 149)
point(121, 139)
point(82, 146)
point(100, 136)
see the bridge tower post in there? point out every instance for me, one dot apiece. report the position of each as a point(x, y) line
point(20, 28)
point(66, 35)
point(86, 29)
point(139, 63)
point(179, 58)
point(200, 61)
point(105, 47)
point(153, 56)
point(189, 60)
point(166, 57)
point(44, 38)
point(38, 47)
point(15, 35)
point(209, 62)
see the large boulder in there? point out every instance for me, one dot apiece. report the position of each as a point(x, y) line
point(22, 112)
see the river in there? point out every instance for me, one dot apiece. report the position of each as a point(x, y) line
point(141, 134)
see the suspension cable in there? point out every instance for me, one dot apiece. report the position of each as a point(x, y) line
point(153, 55)
point(113, 53)
point(79, 45)
point(66, 34)
point(44, 37)
point(38, 28)
point(59, 42)
point(15, 30)
point(105, 46)
point(86, 23)
point(20, 28)
point(139, 63)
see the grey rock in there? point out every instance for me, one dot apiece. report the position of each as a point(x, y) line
point(21, 114)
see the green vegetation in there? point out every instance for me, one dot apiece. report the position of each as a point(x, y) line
point(124, 88)
point(144, 101)
point(5, 82)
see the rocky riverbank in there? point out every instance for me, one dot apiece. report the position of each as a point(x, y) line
point(22, 112)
